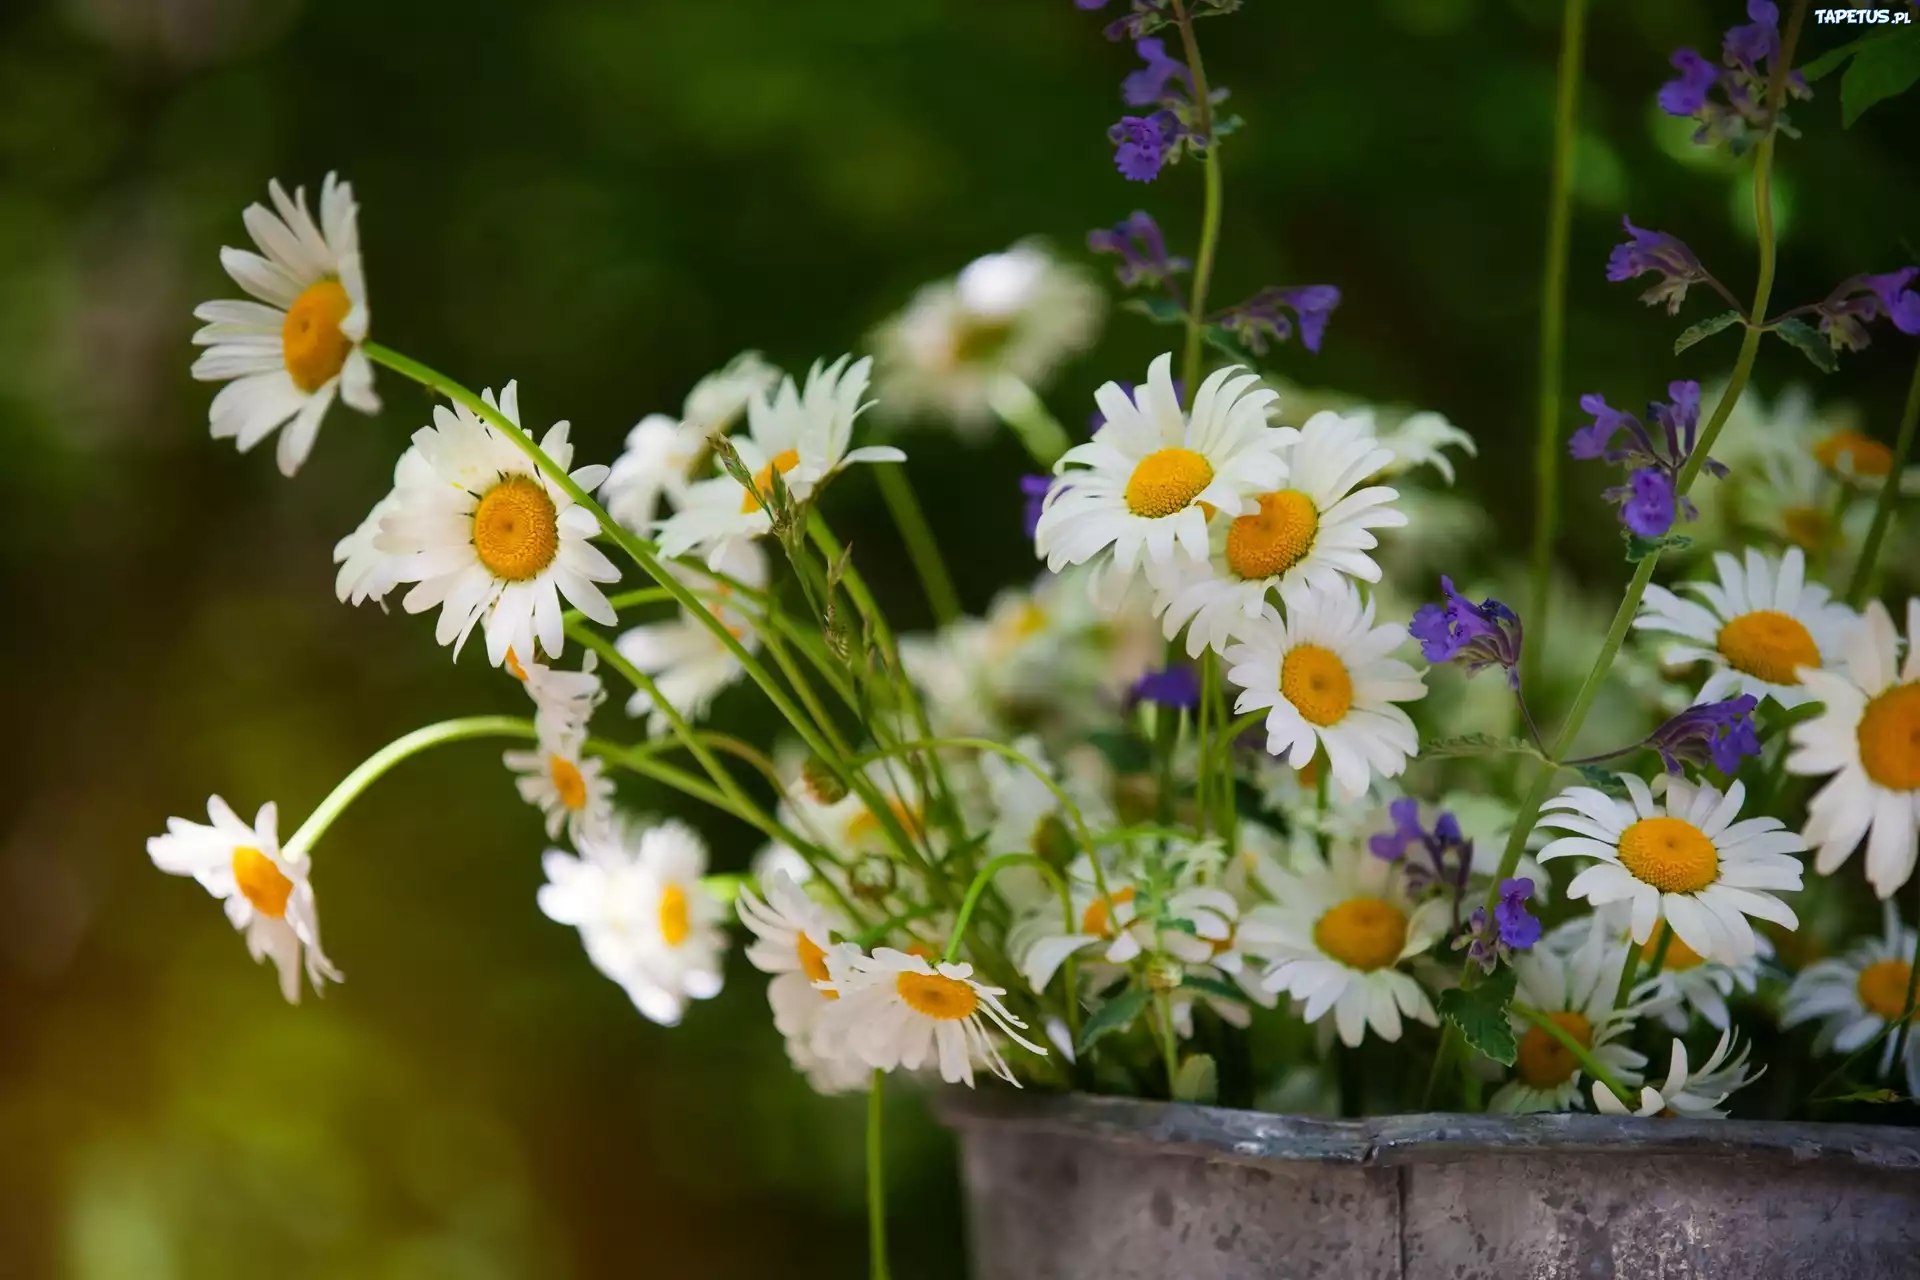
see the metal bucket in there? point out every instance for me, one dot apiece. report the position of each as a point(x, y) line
point(1083, 1188)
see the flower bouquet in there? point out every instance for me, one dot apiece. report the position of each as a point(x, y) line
point(1243, 799)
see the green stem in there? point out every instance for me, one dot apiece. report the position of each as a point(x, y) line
point(1913, 961)
point(1169, 1045)
point(1588, 1063)
point(876, 1180)
point(979, 886)
point(1553, 323)
point(911, 521)
point(1020, 408)
point(1210, 213)
point(1889, 496)
point(1203, 779)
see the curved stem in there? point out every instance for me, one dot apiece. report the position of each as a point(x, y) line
point(908, 517)
point(876, 1179)
point(1889, 496)
point(1210, 213)
point(1584, 1056)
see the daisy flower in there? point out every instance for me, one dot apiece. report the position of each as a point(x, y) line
point(1868, 739)
point(1421, 440)
point(1680, 858)
point(1577, 993)
point(645, 919)
point(263, 887)
point(1314, 532)
point(1688, 1094)
point(1140, 492)
point(802, 435)
point(367, 572)
point(1323, 670)
point(1017, 314)
point(1688, 983)
point(662, 450)
point(689, 664)
point(1336, 936)
point(1858, 995)
point(1758, 627)
point(898, 1010)
point(572, 790)
point(792, 935)
point(1116, 924)
point(286, 357)
point(564, 701)
point(488, 538)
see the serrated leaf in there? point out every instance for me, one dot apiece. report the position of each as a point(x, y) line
point(1214, 987)
point(1806, 339)
point(1198, 1080)
point(1884, 68)
point(1111, 1016)
point(1705, 329)
point(1481, 1014)
point(1639, 548)
point(1475, 744)
point(1228, 344)
point(1829, 62)
point(1157, 308)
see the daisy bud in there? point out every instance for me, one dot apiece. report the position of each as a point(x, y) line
point(1165, 974)
point(873, 878)
point(822, 783)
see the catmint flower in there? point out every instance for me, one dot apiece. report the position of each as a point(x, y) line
point(1090, 4)
point(1034, 488)
point(1647, 503)
point(1481, 635)
point(1143, 18)
point(1650, 501)
point(1140, 144)
point(1517, 926)
point(1665, 256)
point(1860, 300)
point(1263, 317)
point(1717, 733)
point(1175, 686)
point(1730, 100)
point(1142, 251)
point(1448, 855)
point(1147, 86)
point(1687, 94)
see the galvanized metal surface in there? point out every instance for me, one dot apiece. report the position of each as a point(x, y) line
point(1082, 1188)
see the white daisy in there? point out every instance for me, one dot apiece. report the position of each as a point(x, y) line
point(263, 887)
point(1016, 314)
point(1689, 984)
point(1421, 440)
point(1323, 670)
point(1115, 924)
point(1681, 858)
point(687, 661)
point(1868, 739)
point(488, 538)
point(572, 790)
point(645, 918)
point(288, 355)
point(1758, 627)
point(1577, 993)
point(899, 1010)
point(563, 701)
point(1312, 533)
point(1691, 1095)
point(802, 435)
point(1857, 995)
point(662, 450)
point(792, 935)
point(1141, 490)
point(1337, 934)
point(367, 572)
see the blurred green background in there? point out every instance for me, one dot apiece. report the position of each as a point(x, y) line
point(605, 199)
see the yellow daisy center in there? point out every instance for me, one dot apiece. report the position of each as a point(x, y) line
point(1883, 988)
point(1362, 933)
point(675, 924)
point(865, 826)
point(261, 883)
point(1316, 682)
point(1863, 455)
point(1544, 1062)
point(516, 530)
point(1671, 854)
point(310, 339)
point(1275, 538)
point(934, 995)
point(1768, 645)
point(813, 962)
point(1097, 919)
point(1679, 955)
point(567, 782)
point(782, 462)
point(1166, 481)
point(1807, 527)
point(1889, 736)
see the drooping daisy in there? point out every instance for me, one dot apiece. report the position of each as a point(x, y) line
point(288, 355)
point(1688, 1094)
point(1016, 314)
point(1314, 532)
point(689, 664)
point(643, 915)
point(898, 1010)
point(570, 788)
point(1577, 993)
point(1323, 670)
point(662, 450)
point(1868, 739)
point(1856, 995)
point(491, 540)
point(792, 935)
point(1680, 858)
point(1688, 983)
point(263, 887)
point(1421, 440)
point(1336, 936)
point(1759, 627)
point(563, 701)
point(802, 435)
point(1140, 492)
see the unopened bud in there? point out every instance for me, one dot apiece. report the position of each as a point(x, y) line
point(1164, 974)
point(872, 878)
point(822, 783)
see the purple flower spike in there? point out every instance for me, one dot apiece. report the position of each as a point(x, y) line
point(1518, 928)
point(1147, 86)
point(1649, 501)
point(1391, 846)
point(1170, 687)
point(1597, 440)
point(1142, 251)
point(1263, 320)
point(1730, 100)
point(1858, 301)
point(1716, 733)
point(1481, 635)
point(1758, 41)
point(1035, 489)
point(1687, 94)
point(1140, 144)
point(1901, 304)
point(1649, 507)
point(1665, 256)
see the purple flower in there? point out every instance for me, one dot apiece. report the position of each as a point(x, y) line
point(1391, 846)
point(1649, 502)
point(1263, 319)
point(1146, 16)
point(1756, 42)
point(1148, 86)
point(1142, 251)
point(1035, 489)
point(1717, 733)
point(1449, 856)
point(1858, 301)
point(1140, 144)
point(1089, 4)
point(1595, 441)
point(1687, 94)
point(1518, 928)
point(1169, 687)
point(1738, 114)
point(1481, 635)
point(1666, 256)
point(1648, 508)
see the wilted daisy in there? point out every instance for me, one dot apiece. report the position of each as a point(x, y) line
point(563, 701)
point(288, 355)
point(1140, 492)
point(1680, 858)
point(1758, 626)
point(1687, 1094)
point(1323, 670)
point(1577, 993)
point(1868, 738)
point(491, 540)
point(792, 935)
point(570, 788)
point(662, 450)
point(1314, 532)
point(647, 922)
point(1857, 995)
point(687, 661)
point(801, 435)
point(263, 887)
point(1016, 314)
point(1337, 933)
point(899, 1010)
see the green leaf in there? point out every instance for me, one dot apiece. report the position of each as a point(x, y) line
point(1776, 719)
point(1111, 1016)
point(1228, 344)
point(1198, 1081)
point(1639, 548)
point(1481, 1014)
point(1158, 308)
point(1829, 62)
point(1867, 1095)
point(1215, 988)
point(1885, 68)
point(1601, 778)
point(1705, 329)
point(1799, 334)
point(1476, 744)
